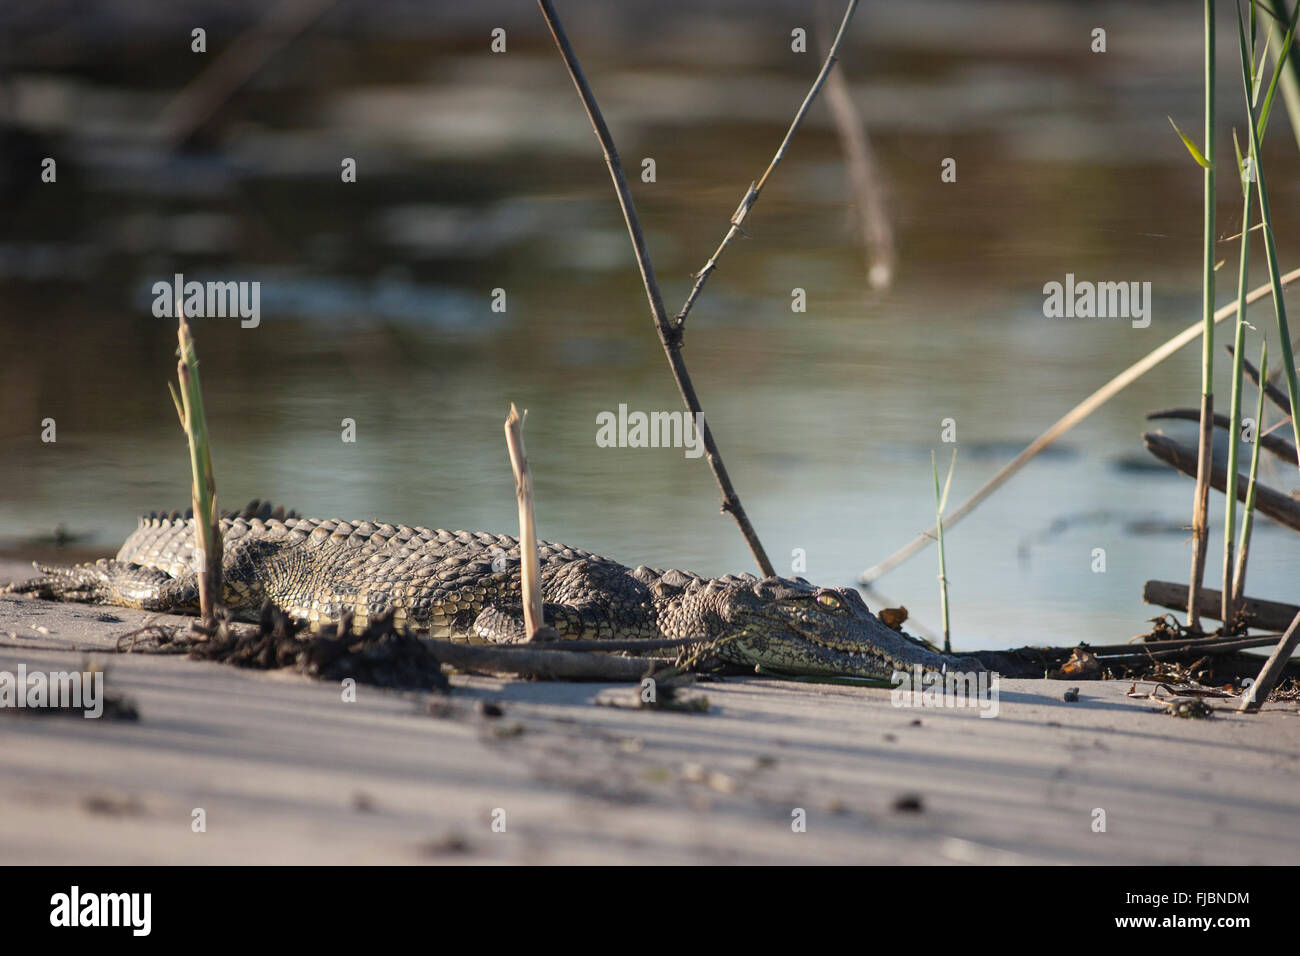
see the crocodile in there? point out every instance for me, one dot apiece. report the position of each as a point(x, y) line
point(465, 587)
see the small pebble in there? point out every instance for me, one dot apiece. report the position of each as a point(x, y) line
point(909, 803)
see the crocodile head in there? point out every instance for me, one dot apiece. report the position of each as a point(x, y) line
point(794, 627)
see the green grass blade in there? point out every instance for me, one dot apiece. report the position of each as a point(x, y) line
point(1191, 147)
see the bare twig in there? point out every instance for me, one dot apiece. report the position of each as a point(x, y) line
point(669, 335)
point(751, 195)
point(1063, 425)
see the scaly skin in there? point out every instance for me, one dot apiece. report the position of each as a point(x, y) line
point(464, 586)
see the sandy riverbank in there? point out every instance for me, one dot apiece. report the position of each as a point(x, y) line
point(287, 772)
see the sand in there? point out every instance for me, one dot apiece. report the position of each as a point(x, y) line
point(286, 770)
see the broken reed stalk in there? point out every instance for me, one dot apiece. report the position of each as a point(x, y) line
point(1272, 669)
point(670, 332)
point(1205, 445)
point(203, 492)
point(1248, 514)
point(530, 575)
point(940, 500)
point(755, 188)
point(1071, 418)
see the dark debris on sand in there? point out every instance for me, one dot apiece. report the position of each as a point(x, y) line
point(380, 655)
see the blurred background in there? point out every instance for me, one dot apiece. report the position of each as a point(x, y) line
point(478, 171)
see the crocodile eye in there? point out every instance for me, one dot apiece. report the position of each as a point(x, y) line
point(829, 601)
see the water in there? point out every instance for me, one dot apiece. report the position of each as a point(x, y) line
point(480, 172)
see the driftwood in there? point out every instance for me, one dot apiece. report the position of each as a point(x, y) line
point(1274, 444)
point(1281, 508)
point(1273, 615)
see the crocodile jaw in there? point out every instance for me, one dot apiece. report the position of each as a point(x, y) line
point(878, 656)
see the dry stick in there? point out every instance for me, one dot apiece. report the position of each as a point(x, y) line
point(669, 333)
point(1272, 669)
point(1281, 508)
point(751, 197)
point(530, 574)
point(1276, 444)
point(868, 187)
point(1063, 425)
point(1273, 615)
